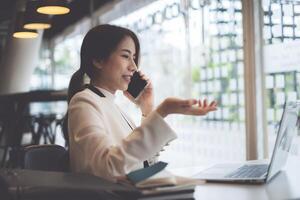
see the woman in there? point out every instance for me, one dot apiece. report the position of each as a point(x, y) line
point(103, 140)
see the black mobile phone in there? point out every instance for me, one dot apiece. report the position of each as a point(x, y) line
point(136, 85)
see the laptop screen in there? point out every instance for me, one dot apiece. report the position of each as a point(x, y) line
point(287, 130)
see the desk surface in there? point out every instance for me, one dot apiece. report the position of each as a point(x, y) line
point(286, 185)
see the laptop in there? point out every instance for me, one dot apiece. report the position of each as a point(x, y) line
point(260, 172)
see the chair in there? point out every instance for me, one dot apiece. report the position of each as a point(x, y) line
point(43, 126)
point(46, 158)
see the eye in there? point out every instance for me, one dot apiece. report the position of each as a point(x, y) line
point(125, 56)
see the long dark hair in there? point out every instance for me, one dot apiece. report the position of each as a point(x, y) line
point(98, 44)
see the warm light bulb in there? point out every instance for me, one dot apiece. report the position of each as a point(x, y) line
point(53, 10)
point(25, 35)
point(37, 26)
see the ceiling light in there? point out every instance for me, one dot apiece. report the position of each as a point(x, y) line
point(25, 34)
point(19, 31)
point(35, 20)
point(53, 7)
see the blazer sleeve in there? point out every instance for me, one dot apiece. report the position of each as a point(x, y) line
point(95, 151)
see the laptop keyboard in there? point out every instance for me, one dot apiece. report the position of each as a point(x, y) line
point(249, 171)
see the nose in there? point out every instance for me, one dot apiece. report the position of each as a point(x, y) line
point(132, 66)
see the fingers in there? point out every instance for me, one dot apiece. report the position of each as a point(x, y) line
point(128, 95)
point(199, 103)
point(146, 78)
point(204, 103)
point(143, 76)
point(202, 108)
point(213, 104)
point(189, 106)
point(189, 102)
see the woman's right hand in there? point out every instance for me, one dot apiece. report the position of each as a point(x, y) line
point(173, 105)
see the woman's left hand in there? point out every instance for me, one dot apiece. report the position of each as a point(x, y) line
point(145, 99)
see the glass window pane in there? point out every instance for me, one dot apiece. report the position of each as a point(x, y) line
point(66, 60)
point(281, 61)
point(197, 55)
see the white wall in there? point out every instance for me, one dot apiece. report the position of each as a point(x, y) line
point(18, 62)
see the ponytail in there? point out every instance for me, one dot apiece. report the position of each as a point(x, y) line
point(76, 85)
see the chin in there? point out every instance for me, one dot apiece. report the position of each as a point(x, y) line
point(124, 87)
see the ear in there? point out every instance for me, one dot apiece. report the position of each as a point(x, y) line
point(97, 64)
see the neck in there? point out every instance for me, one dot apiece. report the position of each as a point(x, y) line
point(99, 83)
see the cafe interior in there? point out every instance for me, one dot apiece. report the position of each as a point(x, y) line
point(242, 53)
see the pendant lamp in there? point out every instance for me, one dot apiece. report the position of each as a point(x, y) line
point(35, 20)
point(19, 31)
point(53, 7)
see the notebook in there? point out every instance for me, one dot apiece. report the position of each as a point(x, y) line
point(156, 176)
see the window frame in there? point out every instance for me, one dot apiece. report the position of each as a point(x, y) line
point(255, 108)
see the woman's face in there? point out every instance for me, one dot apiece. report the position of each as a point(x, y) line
point(118, 69)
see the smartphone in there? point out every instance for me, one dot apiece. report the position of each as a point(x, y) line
point(136, 85)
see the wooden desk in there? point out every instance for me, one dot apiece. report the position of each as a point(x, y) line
point(286, 185)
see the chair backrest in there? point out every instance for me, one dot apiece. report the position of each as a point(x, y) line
point(46, 158)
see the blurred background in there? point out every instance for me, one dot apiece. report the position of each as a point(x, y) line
point(189, 48)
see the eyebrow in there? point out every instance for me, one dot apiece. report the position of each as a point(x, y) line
point(127, 50)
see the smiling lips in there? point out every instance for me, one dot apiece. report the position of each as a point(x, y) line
point(127, 78)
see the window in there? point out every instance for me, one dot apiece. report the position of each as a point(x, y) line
point(41, 77)
point(281, 33)
point(196, 50)
point(66, 60)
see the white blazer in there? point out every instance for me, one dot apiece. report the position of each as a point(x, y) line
point(101, 141)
